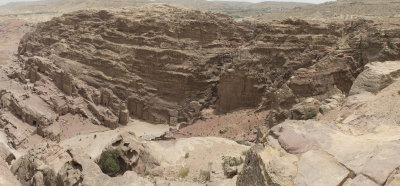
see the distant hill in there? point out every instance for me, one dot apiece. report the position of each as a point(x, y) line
point(265, 11)
point(341, 9)
point(235, 9)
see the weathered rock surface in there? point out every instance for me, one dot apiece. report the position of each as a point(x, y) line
point(320, 168)
point(360, 180)
point(164, 64)
point(265, 167)
point(348, 149)
point(52, 164)
point(74, 161)
point(6, 176)
point(375, 77)
point(6, 154)
point(157, 59)
point(332, 163)
point(167, 63)
point(305, 110)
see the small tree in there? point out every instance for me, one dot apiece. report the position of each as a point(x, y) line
point(109, 163)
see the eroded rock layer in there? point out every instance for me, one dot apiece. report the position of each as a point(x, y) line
point(164, 64)
point(161, 61)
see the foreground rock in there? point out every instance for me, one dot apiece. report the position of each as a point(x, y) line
point(51, 164)
point(331, 163)
point(141, 162)
point(6, 176)
point(356, 145)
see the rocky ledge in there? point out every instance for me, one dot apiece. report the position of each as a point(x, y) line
point(358, 144)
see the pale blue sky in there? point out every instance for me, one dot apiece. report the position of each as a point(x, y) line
point(2, 2)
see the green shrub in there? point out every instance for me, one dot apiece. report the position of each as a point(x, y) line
point(242, 142)
point(244, 153)
point(390, 44)
point(231, 161)
point(184, 172)
point(187, 155)
point(310, 114)
point(109, 163)
point(205, 175)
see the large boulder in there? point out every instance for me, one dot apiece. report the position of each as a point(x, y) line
point(6, 154)
point(6, 176)
point(375, 77)
point(319, 153)
point(320, 168)
point(269, 166)
point(305, 110)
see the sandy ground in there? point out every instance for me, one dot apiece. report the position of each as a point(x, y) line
point(203, 154)
point(238, 125)
point(11, 31)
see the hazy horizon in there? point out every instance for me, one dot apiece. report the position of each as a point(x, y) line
point(3, 2)
point(300, 1)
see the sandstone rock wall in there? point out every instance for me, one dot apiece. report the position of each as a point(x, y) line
point(237, 90)
point(167, 63)
point(157, 61)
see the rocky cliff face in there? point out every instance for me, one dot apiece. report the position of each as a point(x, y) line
point(164, 64)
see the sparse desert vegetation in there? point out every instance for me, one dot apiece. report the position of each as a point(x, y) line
point(184, 172)
point(109, 162)
point(231, 161)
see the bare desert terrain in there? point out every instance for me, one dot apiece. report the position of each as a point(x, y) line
point(179, 92)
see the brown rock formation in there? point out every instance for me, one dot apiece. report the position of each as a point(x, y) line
point(157, 61)
point(168, 63)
